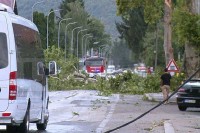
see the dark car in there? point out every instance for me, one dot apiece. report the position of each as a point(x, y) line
point(189, 95)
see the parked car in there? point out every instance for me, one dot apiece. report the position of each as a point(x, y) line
point(189, 95)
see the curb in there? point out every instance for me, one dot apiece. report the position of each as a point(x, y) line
point(158, 97)
point(168, 127)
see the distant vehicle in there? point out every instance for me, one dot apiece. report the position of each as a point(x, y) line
point(95, 66)
point(142, 73)
point(23, 74)
point(189, 95)
point(110, 69)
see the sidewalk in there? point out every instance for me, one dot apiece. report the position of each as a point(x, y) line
point(158, 97)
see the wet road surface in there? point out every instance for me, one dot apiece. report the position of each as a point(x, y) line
point(85, 111)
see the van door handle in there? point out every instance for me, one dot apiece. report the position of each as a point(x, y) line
point(0, 89)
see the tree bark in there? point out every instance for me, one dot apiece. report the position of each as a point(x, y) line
point(169, 53)
point(192, 58)
point(191, 62)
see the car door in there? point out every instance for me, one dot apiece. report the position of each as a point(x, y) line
point(4, 63)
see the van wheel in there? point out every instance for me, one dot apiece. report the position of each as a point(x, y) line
point(24, 127)
point(11, 129)
point(42, 126)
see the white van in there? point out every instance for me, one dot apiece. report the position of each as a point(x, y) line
point(23, 75)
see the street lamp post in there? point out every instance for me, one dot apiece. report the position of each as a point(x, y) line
point(66, 37)
point(35, 5)
point(77, 40)
point(73, 38)
point(77, 45)
point(82, 43)
point(59, 30)
point(86, 42)
point(48, 25)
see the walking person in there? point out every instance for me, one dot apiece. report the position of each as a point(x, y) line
point(165, 84)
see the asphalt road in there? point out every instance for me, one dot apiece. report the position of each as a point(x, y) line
point(88, 112)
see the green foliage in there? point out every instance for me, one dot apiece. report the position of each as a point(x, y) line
point(153, 10)
point(121, 55)
point(65, 5)
point(177, 80)
point(128, 83)
point(64, 79)
point(40, 20)
point(123, 6)
point(133, 30)
point(186, 26)
point(102, 85)
point(93, 26)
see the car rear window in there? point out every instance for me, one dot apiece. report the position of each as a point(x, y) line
point(3, 51)
point(191, 86)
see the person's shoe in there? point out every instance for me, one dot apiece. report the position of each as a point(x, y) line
point(166, 102)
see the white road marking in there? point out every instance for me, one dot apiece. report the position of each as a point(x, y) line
point(108, 117)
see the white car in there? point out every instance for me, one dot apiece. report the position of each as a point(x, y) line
point(110, 69)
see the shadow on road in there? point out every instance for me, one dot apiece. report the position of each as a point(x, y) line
point(31, 131)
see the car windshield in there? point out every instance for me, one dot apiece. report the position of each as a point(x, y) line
point(3, 51)
point(94, 62)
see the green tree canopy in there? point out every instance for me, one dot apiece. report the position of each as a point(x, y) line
point(133, 30)
point(66, 7)
point(153, 9)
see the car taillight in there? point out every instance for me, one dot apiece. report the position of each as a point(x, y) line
point(6, 114)
point(102, 69)
point(181, 90)
point(88, 69)
point(12, 86)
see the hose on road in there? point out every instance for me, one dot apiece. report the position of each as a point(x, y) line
point(159, 104)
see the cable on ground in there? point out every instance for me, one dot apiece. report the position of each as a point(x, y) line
point(109, 131)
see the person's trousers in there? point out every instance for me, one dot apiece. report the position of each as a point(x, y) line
point(165, 90)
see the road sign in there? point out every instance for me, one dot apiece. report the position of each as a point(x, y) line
point(172, 67)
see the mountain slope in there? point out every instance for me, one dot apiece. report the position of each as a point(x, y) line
point(105, 10)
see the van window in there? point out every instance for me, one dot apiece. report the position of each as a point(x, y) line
point(3, 51)
point(29, 52)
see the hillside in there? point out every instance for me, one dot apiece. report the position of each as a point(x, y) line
point(105, 10)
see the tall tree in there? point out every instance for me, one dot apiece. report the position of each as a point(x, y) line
point(153, 12)
point(133, 30)
point(187, 30)
point(169, 52)
point(66, 8)
point(40, 20)
point(93, 26)
point(121, 59)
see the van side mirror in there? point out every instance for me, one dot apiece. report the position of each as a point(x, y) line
point(53, 68)
point(40, 68)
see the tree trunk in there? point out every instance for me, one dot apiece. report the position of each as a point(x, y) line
point(168, 32)
point(191, 61)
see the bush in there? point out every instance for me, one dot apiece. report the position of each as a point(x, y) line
point(126, 83)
